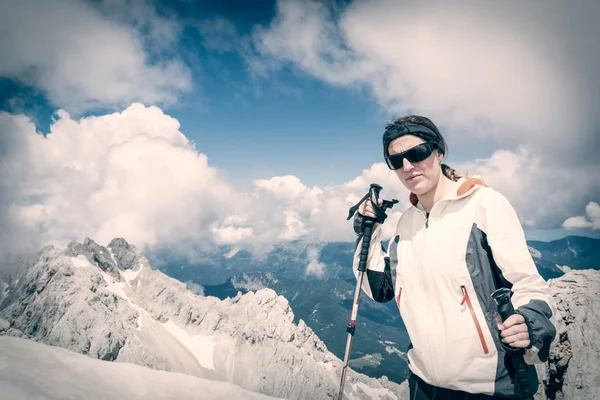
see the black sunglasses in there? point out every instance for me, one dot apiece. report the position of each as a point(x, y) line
point(413, 155)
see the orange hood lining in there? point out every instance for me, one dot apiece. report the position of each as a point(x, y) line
point(464, 188)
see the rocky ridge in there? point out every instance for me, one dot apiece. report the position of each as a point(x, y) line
point(109, 304)
point(572, 371)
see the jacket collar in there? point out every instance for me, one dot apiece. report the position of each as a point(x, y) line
point(463, 188)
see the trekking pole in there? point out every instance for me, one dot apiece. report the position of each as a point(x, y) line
point(367, 230)
point(506, 309)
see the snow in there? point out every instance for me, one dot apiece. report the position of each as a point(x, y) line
point(202, 347)
point(5, 290)
point(80, 261)
point(391, 349)
point(130, 275)
point(32, 370)
point(376, 393)
point(372, 360)
point(351, 395)
point(534, 253)
point(113, 258)
point(564, 268)
point(232, 252)
point(107, 278)
point(327, 365)
point(117, 288)
point(572, 251)
point(247, 283)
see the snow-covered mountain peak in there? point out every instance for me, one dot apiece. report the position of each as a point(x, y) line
point(108, 303)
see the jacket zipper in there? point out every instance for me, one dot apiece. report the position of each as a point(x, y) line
point(426, 290)
point(477, 326)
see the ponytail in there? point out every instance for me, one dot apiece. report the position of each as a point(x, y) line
point(450, 173)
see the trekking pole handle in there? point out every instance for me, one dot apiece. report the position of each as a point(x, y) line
point(368, 225)
point(505, 307)
point(364, 250)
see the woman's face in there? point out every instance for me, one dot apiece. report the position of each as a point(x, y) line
point(419, 177)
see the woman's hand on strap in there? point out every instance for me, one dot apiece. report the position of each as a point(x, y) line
point(366, 208)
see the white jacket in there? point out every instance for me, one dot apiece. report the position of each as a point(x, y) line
point(441, 271)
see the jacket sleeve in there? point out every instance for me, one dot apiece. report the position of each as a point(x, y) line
point(380, 276)
point(531, 296)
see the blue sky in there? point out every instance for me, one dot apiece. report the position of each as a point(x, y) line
point(257, 127)
point(304, 89)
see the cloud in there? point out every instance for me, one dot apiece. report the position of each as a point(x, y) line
point(520, 80)
point(512, 72)
point(84, 57)
point(195, 288)
point(218, 34)
point(314, 267)
point(541, 194)
point(288, 209)
point(232, 229)
point(160, 27)
point(131, 173)
point(592, 221)
point(134, 174)
point(230, 234)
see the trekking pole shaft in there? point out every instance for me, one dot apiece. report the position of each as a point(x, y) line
point(362, 266)
point(351, 328)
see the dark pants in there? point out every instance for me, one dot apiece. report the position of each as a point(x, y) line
point(421, 390)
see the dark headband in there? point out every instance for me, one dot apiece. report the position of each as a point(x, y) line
point(394, 132)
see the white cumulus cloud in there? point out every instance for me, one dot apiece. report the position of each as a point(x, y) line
point(541, 195)
point(85, 57)
point(131, 173)
point(591, 220)
point(134, 174)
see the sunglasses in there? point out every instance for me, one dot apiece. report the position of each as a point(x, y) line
point(413, 155)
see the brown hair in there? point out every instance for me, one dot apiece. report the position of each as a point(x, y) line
point(441, 145)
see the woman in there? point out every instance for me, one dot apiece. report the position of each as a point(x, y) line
point(458, 242)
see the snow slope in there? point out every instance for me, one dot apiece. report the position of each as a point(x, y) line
point(30, 370)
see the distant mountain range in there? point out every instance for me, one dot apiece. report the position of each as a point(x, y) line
point(316, 278)
point(574, 252)
point(292, 259)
